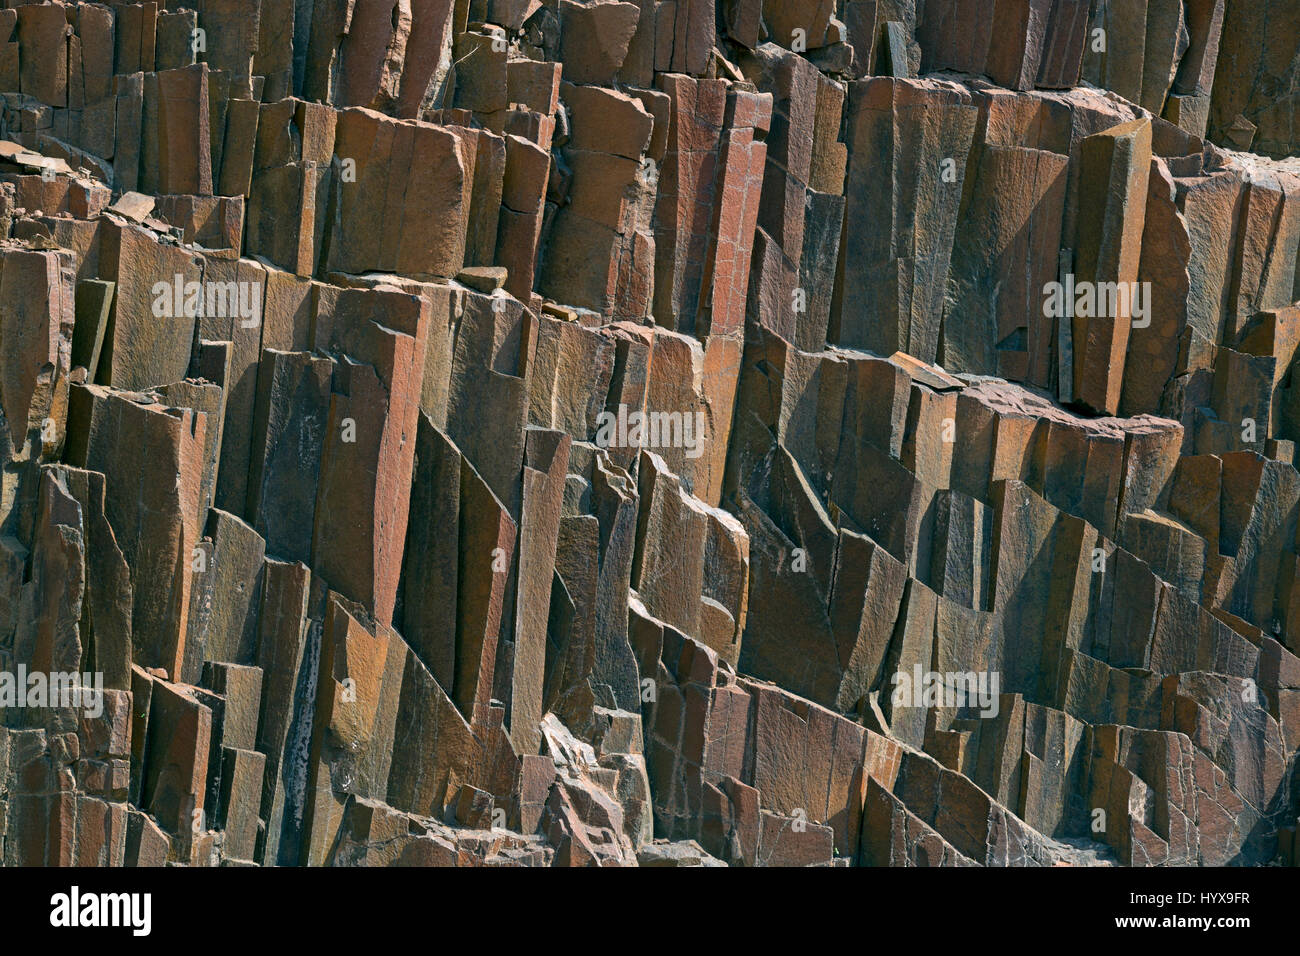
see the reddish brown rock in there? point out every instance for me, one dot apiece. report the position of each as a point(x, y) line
point(1116, 165)
point(155, 522)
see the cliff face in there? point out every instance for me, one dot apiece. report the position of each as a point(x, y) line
point(521, 432)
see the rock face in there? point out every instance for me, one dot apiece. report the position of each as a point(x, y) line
point(601, 433)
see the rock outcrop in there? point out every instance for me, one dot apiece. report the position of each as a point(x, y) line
point(655, 433)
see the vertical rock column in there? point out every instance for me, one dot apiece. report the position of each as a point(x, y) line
point(1116, 165)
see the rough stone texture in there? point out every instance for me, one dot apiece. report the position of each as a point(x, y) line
point(687, 433)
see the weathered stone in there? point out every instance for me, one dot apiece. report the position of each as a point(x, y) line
point(905, 266)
